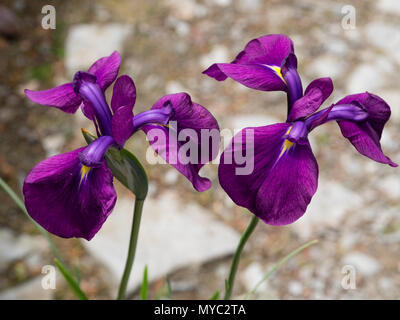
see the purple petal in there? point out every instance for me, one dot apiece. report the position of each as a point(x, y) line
point(253, 76)
point(285, 194)
point(316, 93)
point(365, 136)
point(122, 124)
point(168, 149)
point(106, 69)
point(67, 202)
point(62, 97)
point(256, 60)
point(191, 120)
point(284, 178)
point(124, 93)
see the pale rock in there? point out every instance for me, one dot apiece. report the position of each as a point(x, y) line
point(389, 6)
point(390, 185)
point(14, 247)
point(252, 275)
point(328, 207)
point(295, 288)
point(386, 37)
point(30, 290)
point(174, 87)
point(241, 121)
point(221, 3)
point(172, 236)
point(171, 176)
point(53, 144)
point(365, 77)
point(217, 54)
point(363, 263)
point(86, 43)
point(327, 65)
point(250, 5)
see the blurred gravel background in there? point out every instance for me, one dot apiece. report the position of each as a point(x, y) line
point(189, 237)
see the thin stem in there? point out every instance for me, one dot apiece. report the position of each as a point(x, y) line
point(235, 262)
point(277, 265)
point(137, 215)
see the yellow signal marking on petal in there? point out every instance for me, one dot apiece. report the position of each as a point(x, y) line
point(278, 71)
point(287, 144)
point(84, 171)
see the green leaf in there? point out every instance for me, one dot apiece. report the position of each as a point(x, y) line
point(145, 285)
point(277, 265)
point(215, 296)
point(70, 280)
point(126, 168)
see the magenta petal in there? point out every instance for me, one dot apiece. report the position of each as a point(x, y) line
point(62, 97)
point(168, 149)
point(286, 192)
point(64, 201)
point(261, 150)
point(106, 69)
point(253, 76)
point(316, 93)
point(191, 119)
point(269, 50)
point(124, 93)
point(283, 181)
point(365, 136)
point(122, 124)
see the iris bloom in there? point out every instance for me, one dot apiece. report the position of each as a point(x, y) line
point(72, 194)
point(267, 63)
point(285, 175)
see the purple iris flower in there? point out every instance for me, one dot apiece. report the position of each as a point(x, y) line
point(72, 194)
point(267, 63)
point(285, 174)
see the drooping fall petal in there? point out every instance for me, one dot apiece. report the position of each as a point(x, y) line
point(68, 199)
point(365, 136)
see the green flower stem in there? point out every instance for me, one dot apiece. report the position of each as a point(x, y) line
point(235, 262)
point(137, 215)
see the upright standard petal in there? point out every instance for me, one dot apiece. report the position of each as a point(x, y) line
point(365, 135)
point(122, 125)
point(284, 177)
point(124, 93)
point(258, 66)
point(106, 69)
point(68, 199)
point(316, 93)
point(190, 140)
point(62, 97)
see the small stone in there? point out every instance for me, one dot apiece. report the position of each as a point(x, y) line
point(295, 288)
point(363, 263)
point(378, 34)
point(365, 77)
point(172, 235)
point(239, 121)
point(321, 213)
point(390, 185)
point(86, 43)
point(53, 144)
point(389, 6)
point(31, 290)
point(171, 176)
point(174, 87)
point(217, 54)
